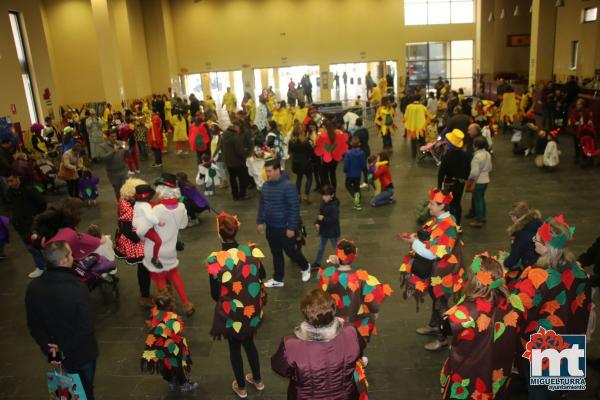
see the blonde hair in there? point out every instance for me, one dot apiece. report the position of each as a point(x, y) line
point(127, 191)
point(166, 192)
point(553, 256)
point(475, 289)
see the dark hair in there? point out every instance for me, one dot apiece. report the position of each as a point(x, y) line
point(384, 156)
point(318, 308)
point(205, 157)
point(228, 227)
point(48, 119)
point(164, 301)
point(330, 127)
point(346, 246)
point(86, 174)
point(95, 231)
point(359, 122)
point(72, 208)
point(182, 178)
point(273, 163)
point(328, 190)
point(355, 141)
point(479, 142)
point(273, 126)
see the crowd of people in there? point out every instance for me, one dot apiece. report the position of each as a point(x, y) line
point(488, 306)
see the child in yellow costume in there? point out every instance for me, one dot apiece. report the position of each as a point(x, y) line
point(384, 119)
point(508, 108)
point(415, 124)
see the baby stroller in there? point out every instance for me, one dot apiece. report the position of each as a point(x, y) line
point(434, 150)
point(95, 270)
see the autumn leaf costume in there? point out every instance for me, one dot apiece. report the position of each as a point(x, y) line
point(555, 298)
point(483, 346)
point(166, 350)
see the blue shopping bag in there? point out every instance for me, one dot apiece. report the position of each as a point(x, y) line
point(64, 386)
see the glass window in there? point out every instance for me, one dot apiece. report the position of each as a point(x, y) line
point(431, 12)
point(590, 14)
point(20, 44)
point(416, 52)
point(574, 54)
point(439, 51)
point(462, 49)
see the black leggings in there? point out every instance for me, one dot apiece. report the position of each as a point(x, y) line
point(143, 276)
point(235, 356)
point(328, 174)
point(73, 187)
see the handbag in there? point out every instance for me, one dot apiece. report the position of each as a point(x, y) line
point(470, 186)
point(62, 385)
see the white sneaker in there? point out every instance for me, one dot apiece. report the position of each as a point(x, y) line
point(364, 185)
point(306, 274)
point(272, 283)
point(130, 173)
point(113, 272)
point(179, 152)
point(36, 273)
point(137, 171)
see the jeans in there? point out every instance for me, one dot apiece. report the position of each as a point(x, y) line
point(117, 184)
point(383, 198)
point(278, 243)
point(38, 257)
point(479, 208)
point(238, 181)
point(86, 373)
point(143, 150)
point(438, 307)
point(387, 141)
point(307, 185)
point(322, 245)
point(237, 364)
point(328, 174)
point(353, 185)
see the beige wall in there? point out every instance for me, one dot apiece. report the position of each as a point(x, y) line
point(570, 28)
point(228, 34)
point(510, 59)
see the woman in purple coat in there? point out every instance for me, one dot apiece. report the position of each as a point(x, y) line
point(320, 358)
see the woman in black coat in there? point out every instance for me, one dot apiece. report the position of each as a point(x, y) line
point(301, 150)
point(525, 223)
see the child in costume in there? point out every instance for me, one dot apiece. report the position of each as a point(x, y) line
point(236, 273)
point(356, 293)
point(275, 142)
point(88, 187)
point(484, 323)
point(327, 223)
point(256, 166)
point(384, 188)
point(551, 152)
point(167, 351)
point(106, 248)
point(208, 175)
point(144, 220)
point(193, 200)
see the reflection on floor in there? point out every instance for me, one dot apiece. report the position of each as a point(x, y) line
point(398, 364)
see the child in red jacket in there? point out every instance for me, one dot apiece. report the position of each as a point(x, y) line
point(384, 188)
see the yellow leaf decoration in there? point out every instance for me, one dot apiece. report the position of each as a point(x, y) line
point(234, 255)
point(256, 252)
point(238, 303)
point(226, 277)
point(148, 355)
point(237, 326)
point(372, 281)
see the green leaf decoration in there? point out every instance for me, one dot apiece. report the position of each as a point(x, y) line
point(498, 384)
point(253, 269)
point(469, 324)
point(245, 250)
point(211, 260)
point(516, 302)
point(578, 272)
point(254, 289)
point(329, 271)
point(581, 287)
point(233, 306)
point(461, 300)
point(229, 323)
point(553, 278)
point(476, 266)
point(229, 264)
point(255, 321)
point(458, 392)
point(330, 147)
point(88, 191)
point(346, 300)
point(537, 299)
point(561, 298)
point(212, 172)
point(544, 323)
point(343, 279)
point(497, 283)
point(499, 329)
point(367, 289)
point(460, 315)
point(173, 361)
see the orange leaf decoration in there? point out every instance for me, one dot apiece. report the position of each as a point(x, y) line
point(237, 287)
point(555, 321)
point(242, 256)
point(353, 286)
point(363, 330)
point(222, 256)
point(550, 307)
point(511, 319)
point(362, 274)
point(420, 286)
point(537, 276)
point(484, 277)
point(448, 281)
point(387, 290)
point(497, 374)
point(483, 321)
point(249, 311)
point(369, 298)
point(150, 340)
point(526, 300)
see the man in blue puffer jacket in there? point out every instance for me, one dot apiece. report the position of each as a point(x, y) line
point(279, 213)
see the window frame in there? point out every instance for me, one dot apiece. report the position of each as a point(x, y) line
point(427, 5)
point(584, 12)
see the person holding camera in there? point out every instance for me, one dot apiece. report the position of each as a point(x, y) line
point(113, 154)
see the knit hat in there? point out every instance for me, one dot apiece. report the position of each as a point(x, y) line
point(455, 138)
point(167, 179)
point(144, 192)
point(37, 127)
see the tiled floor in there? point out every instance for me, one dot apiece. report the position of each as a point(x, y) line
point(398, 367)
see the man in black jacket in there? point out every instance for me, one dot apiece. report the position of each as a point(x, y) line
point(592, 257)
point(234, 156)
point(26, 204)
point(454, 171)
point(60, 316)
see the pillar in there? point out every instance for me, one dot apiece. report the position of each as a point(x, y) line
point(326, 83)
point(484, 52)
point(277, 87)
point(543, 29)
point(401, 70)
point(248, 79)
point(264, 78)
point(110, 63)
point(232, 82)
point(205, 80)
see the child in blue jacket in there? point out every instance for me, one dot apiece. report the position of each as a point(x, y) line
point(355, 165)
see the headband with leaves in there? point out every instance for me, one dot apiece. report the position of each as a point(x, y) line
point(225, 215)
point(558, 241)
point(485, 277)
point(343, 257)
point(439, 197)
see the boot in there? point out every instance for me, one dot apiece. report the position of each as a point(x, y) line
point(146, 302)
point(188, 308)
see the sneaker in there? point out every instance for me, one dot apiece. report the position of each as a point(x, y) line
point(257, 384)
point(392, 201)
point(428, 330)
point(113, 272)
point(137, 171)
point(172, 386)
point(130, 173)
point(179, 152)
point(241, 393)
point(364, 185)
point(306, 274)
point(436, 345)
point(188, 387)
point(272, 283)
point(358, 207)
point(476, 224)
point(156, 165)
point(36, 273)
point(315, 266)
